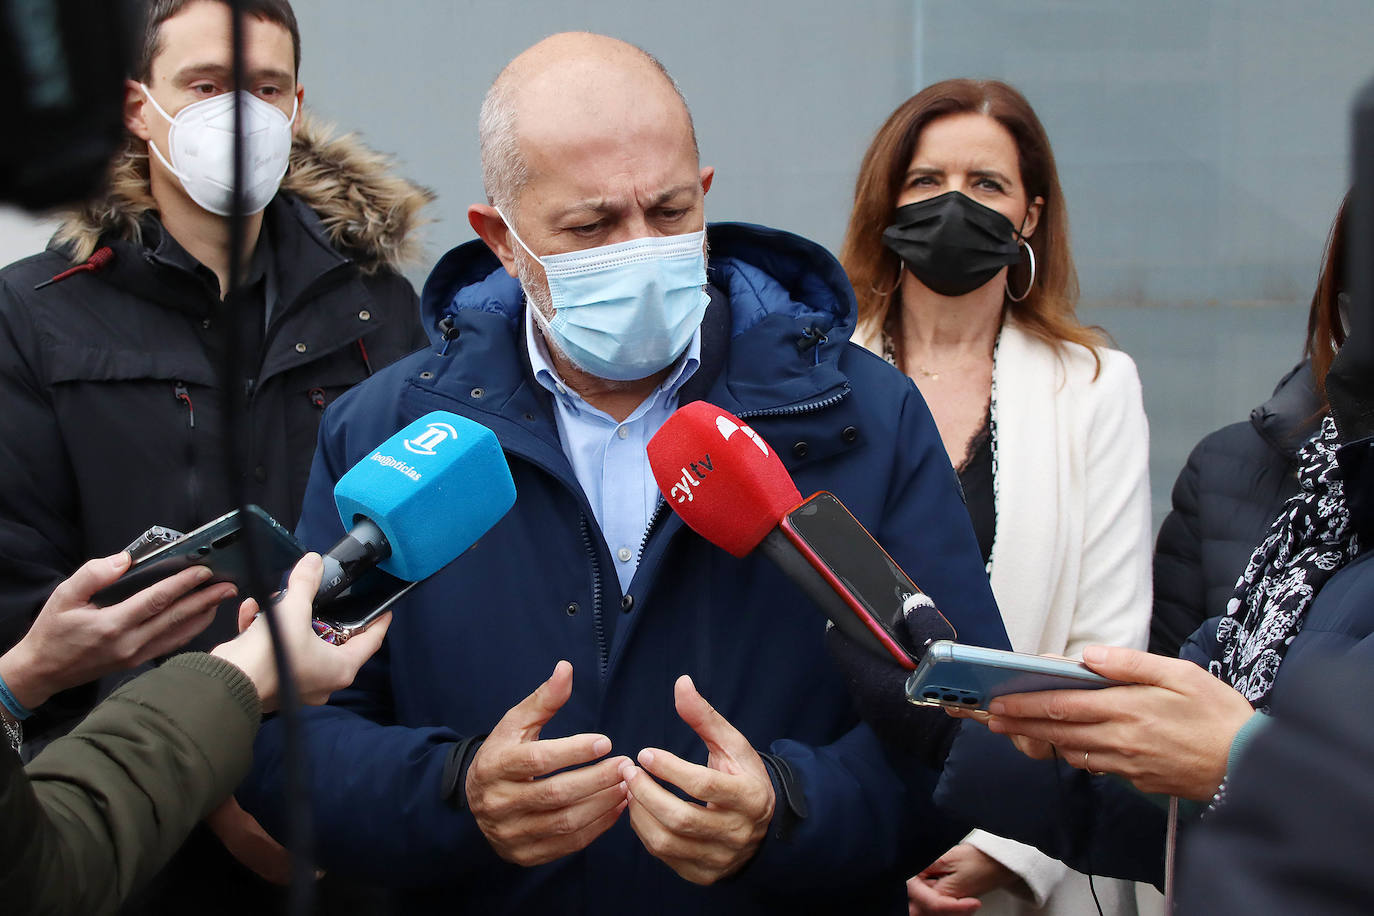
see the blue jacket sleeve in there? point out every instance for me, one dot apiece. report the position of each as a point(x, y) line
point(369, 780)
point(1094, 824)
point(862, 821)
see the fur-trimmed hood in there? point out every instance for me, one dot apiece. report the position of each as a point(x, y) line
point(366, 210)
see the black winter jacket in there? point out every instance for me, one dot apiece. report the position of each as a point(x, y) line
point(1224, 500)
point(114, 417)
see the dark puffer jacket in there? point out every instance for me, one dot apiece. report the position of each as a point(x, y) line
point(1228, 493)
point(114, 415)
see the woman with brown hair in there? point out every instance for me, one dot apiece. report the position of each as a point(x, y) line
point(1237, 478)
point(959, 255)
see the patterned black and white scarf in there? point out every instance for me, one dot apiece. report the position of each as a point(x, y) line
point(1311, 539)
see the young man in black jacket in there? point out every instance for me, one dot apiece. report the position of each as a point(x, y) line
point(112, 340)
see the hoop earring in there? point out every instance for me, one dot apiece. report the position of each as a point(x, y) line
point(896, 282)
point(1030, 251)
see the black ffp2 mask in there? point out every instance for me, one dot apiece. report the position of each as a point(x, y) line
point(952, 243)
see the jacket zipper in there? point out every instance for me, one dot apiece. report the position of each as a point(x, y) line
point(658, 514)
point(649, 529)
point(192, 480)
point(599, 625)
point(831, 401)
point(793, 410)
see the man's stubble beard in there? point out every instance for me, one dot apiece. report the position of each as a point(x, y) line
point(538, 297)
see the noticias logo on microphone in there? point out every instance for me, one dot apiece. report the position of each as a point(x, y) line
point(387, 461)
point(434, 435)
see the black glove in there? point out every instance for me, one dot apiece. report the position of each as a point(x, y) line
point(878, 686)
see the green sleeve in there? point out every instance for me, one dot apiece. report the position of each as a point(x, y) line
point(1257, 723)
point(98, 812)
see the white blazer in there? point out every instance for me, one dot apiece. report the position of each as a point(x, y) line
point(1071, 554)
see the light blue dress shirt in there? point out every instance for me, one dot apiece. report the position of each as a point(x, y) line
point(609, 458)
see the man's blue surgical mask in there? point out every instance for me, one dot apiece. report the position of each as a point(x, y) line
point(625, 311)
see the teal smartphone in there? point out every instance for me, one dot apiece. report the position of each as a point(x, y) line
point(969, 677)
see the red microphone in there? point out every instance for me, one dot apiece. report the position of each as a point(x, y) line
point(721, 477)
point(730, 487)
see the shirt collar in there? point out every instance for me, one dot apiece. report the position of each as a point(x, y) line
point(547, 376)
point(260, 264)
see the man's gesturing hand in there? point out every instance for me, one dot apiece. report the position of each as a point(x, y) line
point(702, 843)
point(528, 816)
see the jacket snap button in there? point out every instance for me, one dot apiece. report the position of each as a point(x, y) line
point(364, 315)
point(426, 375)
point(478, 392)
point(573, 608)
point(849, 434)
point(627, 602)
point(206, 324)
point(300, 348)
point(801, 449)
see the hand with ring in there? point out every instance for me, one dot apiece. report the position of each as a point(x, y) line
point(1168, 729)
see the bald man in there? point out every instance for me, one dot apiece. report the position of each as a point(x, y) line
point(595, 710)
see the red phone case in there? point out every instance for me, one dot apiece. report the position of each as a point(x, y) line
point(876, 628)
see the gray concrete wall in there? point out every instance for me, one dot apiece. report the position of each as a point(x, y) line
point(1202, 143)
point(1203, 150)
point(786, 94)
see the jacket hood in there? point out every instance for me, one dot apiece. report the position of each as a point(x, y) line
point(366, 210)
point(1292, 414)
point(763, 272)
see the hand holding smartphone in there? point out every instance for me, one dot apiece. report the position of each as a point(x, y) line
point(970, 677)
point(221, 545)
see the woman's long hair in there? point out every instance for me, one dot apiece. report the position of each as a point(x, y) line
point(874, 270)
point(1325, 332)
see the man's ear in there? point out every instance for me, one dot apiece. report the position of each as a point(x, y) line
point(1032, 217)
point(300, 107)
point(708, 175)
point(492, 229)
point(136, 109)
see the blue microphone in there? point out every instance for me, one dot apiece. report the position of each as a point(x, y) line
point(417, 501)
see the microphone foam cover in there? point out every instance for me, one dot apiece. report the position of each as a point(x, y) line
point(433, 488)
point(726, 483)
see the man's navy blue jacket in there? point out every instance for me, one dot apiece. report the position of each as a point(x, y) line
point(476, 638)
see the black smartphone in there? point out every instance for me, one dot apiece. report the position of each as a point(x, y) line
point(220, 545)
point(155, 538)
point(969, 677)
point(353, 610)
point(875, 589)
